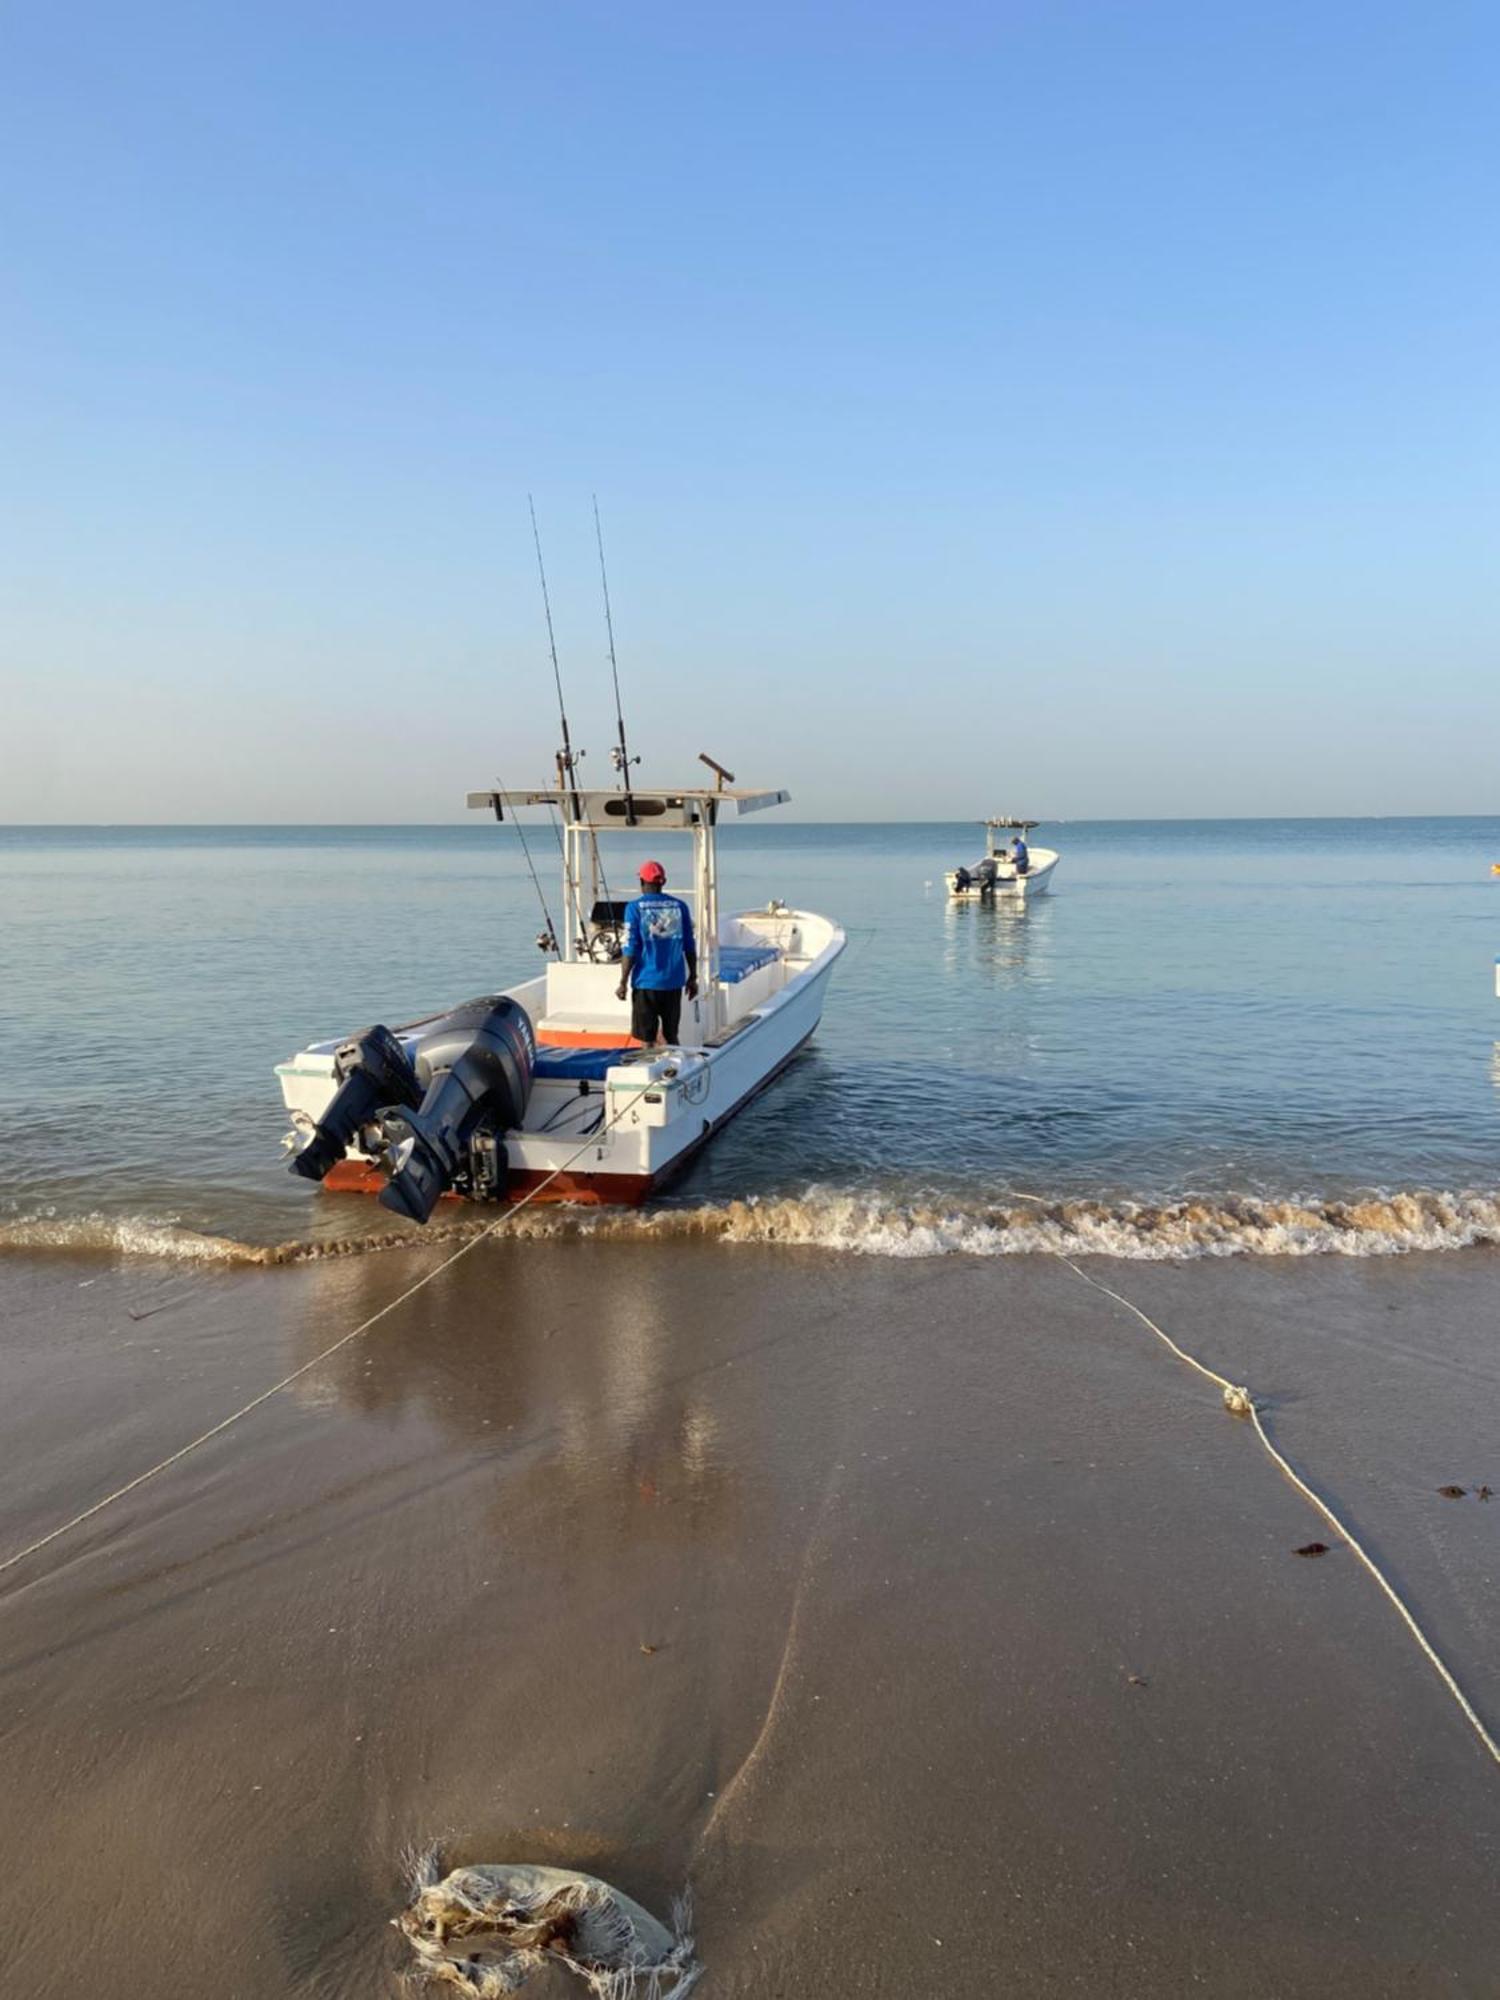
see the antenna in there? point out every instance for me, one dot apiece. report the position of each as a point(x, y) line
point(620, 755)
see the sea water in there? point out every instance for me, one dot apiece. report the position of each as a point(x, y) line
point(1210, 1035)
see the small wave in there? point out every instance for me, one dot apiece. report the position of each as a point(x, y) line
point(866, 1224)
point(139, 1236)
point(124, 1236)
point(1222, 1226)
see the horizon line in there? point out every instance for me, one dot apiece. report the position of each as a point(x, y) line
point(439, 825)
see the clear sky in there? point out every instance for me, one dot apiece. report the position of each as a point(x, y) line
point(1082, 408)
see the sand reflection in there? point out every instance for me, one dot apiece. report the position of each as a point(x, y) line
point(568, 1362)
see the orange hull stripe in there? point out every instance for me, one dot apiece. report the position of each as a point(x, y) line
point(584, 1038)
point(592, 1190)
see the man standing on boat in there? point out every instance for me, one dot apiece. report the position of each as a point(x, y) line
point(660, 958)
point(1020, 855)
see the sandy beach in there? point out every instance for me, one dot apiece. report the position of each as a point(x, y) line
point(926, 1615)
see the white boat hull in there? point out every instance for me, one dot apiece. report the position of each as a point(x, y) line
point(659, 1106)
point(1007, 885)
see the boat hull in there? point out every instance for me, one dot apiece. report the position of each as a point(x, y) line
point(358, 1176)
point(1008, 887)
point(650, 1115)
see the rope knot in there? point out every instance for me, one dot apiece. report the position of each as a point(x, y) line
point(1238, 1402)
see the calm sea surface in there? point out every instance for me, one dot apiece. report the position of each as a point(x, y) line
point(1221, 1011)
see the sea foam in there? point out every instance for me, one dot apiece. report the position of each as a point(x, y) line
point(1377, 1224)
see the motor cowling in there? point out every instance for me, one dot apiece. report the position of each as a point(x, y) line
point(375, 1074)
point(433, 1114)
point(478, 1082)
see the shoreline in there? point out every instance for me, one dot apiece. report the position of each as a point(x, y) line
point(888, 1223)
point(970, 1617)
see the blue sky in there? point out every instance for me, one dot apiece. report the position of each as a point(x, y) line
point(1090, 406)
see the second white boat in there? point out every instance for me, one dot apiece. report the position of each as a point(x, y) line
point(996, 874)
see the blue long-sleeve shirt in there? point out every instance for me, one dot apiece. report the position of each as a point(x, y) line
point(658, 939)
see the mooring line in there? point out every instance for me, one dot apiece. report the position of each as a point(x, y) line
point(1240, 1403)
point(245, 1409)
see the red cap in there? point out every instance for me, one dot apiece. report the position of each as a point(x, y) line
point(652, 871)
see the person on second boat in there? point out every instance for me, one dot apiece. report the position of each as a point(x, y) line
point(660, 960)
point(1020, 855)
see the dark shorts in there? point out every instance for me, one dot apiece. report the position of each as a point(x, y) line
point(651, 1009)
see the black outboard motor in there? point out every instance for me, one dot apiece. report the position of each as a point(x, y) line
point(480, 1081)
point(375, 1074)
point(437, 1121)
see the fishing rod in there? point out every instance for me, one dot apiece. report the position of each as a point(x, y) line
point(548, 938)
point(620, 755)
point(567, 759)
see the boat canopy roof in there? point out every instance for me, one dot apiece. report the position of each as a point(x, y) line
point(1025, 824)
point(680, 810)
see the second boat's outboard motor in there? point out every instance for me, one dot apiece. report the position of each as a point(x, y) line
point(434, 1118)
point(480, 1079)
point(375, 1074)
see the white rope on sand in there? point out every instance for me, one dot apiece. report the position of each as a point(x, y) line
point(1239, 1402)
point(218, 1429)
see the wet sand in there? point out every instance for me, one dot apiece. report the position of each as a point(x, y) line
point(926, 1614)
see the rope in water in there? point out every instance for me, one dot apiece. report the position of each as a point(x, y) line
point(1239, 1402)
point(245, 1409)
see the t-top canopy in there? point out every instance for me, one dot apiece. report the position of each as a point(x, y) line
point(613, 811)
point(1025, 824)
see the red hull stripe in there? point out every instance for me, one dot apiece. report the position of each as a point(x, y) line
point(595, 1190)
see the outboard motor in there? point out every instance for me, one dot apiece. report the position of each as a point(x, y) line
point(480, 1081)
point(375, 1074)
point(436, 1119)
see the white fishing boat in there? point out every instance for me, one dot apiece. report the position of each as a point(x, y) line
point(543, 1083)
point(995, 873)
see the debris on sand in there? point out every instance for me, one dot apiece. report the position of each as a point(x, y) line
point(485, 1931)
point(1312, 1549)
